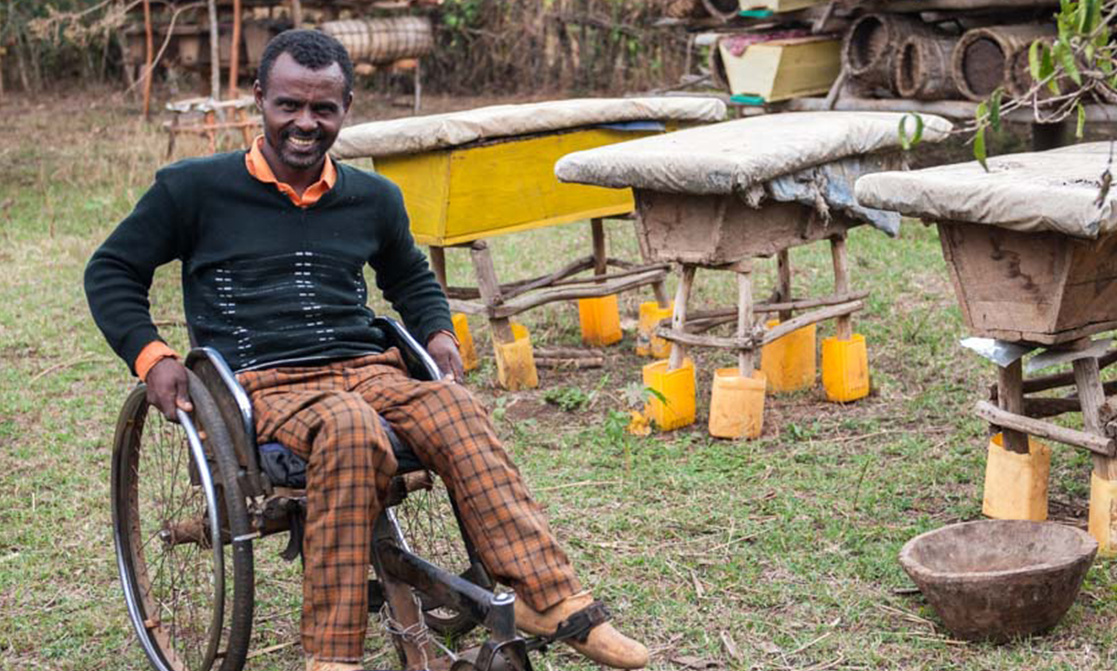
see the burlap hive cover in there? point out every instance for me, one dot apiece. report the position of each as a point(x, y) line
point(812, 158)
point(732, 156)
point(413, 135)
point(1057, 190)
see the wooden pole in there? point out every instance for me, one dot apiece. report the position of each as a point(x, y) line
point(296, 13)
point(1010, 398)
point(234, 50)
point(783, 261)
point(1101, 446)
point(744, 318)
point(490, 290)
point(214, 53)
point(438, 264)
point(599, 254)
point(841, 283)
point(678, 318)
point(1088, 379)
point(149, 59)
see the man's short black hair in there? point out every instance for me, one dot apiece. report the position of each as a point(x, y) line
point(310, 49)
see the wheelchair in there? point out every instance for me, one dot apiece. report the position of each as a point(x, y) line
point(189, 499)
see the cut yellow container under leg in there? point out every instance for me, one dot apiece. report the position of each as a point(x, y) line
point(845, 369)
point(1016, 484)
point(737, 404)
point(1103, 514)
point(600, 320)
point(677, 388)
point(647, 342)
point(789, 363)
point(465, 341)
point(515, 363)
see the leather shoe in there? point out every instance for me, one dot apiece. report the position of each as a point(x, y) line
point(604, 645)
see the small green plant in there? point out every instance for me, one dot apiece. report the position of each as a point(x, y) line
point(568, 399)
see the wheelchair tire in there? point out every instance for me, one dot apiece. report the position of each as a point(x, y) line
point(190, 600)
point(433, 531)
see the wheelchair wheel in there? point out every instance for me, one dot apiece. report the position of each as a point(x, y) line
point(431, 528)
point(188, 587)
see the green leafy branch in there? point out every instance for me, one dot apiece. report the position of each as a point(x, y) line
point(1078, 67)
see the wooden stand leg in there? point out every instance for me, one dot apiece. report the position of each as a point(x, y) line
point(1010, 397)
point(744, 320)
point(438, 264)
point(1103, 482)
point(660, 287)
point(678, 318)
point(841, 283)
point(489, 287)
point(597, 227)
point(1092, 396)
point(783, 261)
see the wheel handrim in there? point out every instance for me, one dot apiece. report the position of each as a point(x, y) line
point(173, 574)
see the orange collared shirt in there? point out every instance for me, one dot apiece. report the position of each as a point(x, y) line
point(258, 167)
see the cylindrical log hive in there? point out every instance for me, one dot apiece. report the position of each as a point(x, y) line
point(923, 68)
point(980, 61)
point(871, 45)
point(383, 40)
point(1018, 74)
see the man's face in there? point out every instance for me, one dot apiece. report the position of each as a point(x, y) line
point(303, 111)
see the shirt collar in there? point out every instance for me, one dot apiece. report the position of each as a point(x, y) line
point(258, 167)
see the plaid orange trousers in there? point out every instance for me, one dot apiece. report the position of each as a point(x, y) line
point(327, 414)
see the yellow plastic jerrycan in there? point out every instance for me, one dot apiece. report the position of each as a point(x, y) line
point(465, 341)
point(1103, 514)
point(845, 368)
point(515, 363)
point(737, 404)
point(1016, 484)
point(647, 342)
point(600, 320)
point(789, 363)
point(676, 410)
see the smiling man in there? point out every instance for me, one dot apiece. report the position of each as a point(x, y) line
point(273, 243)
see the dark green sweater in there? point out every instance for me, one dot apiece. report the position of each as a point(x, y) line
point(264, 281)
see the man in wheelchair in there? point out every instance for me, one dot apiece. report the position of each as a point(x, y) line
point(273, 242)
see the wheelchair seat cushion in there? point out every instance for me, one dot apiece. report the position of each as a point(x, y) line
point(284, 468)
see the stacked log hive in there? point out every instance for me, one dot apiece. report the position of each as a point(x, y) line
point(870, 49)
point(1018, 75)
point(984, 58)
point(383, 40)
point(922, 68)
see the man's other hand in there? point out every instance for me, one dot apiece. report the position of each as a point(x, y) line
point(168, 389)
point(444, 351)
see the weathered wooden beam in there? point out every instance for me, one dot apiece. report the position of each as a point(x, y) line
point(773, 306)
point(759, 339)
point(1057, 380)
point(1010, 398)
point(1088, 380)
point(1034, 427)
point(521, 303)
point(678, 318)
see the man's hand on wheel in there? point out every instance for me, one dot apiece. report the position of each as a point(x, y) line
point(168, 389)
point(444, 351)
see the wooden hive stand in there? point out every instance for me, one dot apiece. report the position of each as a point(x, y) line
point(724, 233)
point(1053, 291)
point(211, 118)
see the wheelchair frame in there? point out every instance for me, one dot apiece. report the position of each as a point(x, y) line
point(221, 437)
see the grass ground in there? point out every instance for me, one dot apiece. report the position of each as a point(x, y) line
point(779, 553)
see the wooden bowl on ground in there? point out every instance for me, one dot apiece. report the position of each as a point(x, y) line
point(999, 579)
